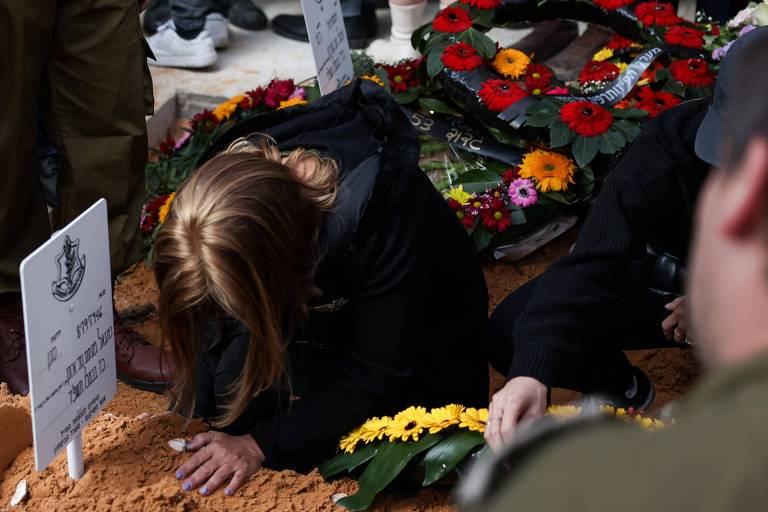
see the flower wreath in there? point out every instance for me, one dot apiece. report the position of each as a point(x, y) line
point(654, 61)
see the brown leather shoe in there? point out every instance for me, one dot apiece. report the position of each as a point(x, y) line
point(548, 38)
point(13, 349)
point(140, 364)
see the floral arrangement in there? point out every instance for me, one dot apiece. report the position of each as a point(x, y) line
point(565, 139)
point(439, 439)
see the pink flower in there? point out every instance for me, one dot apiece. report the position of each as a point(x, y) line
point(184, 138)
point(298, 93)
point(523, 193)
point(557, 91)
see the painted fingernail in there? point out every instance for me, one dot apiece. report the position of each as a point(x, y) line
point(204, 490)
point(229, 492)
point(187, 486)
point(179, 475)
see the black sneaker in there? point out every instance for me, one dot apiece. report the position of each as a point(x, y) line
point(158, 12)
point(640, 394)
point(244, 14)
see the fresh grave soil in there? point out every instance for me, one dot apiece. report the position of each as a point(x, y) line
point(129, 465)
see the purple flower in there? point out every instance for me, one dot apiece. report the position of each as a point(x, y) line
point(523, 193)
point(298, 93)
point(184, 138)
point(746, 30)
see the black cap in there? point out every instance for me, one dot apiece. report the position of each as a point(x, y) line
point(710, 134)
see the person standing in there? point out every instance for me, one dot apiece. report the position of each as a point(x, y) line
point(81, 64)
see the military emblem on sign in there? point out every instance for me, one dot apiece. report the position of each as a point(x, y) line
point(71, 270)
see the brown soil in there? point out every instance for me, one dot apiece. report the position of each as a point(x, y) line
point(129, 465)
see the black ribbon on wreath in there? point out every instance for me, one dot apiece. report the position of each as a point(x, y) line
point(463, 87)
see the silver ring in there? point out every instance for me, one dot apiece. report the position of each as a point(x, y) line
point(689, 341)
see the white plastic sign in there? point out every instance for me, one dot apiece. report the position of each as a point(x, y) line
point(328, 38)
point(67, 295)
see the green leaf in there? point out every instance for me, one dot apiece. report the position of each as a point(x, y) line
point(476, 181)
point(436, 39)
point(417, 38)
point(558, 197)
point(483, 17)
point(408, 96)
point(628, 129)
point(384, 77)
point(348, 461)
point(541, 119)
point(481, 237)
point(444, 456)
point(629, 112)
point(384, 467)
point(437, 106)
point(584, 149)
point(560, 134)
point(518, 217)
point(434, 61)
point(312, 93)
point(484, 45)
point(611, 141)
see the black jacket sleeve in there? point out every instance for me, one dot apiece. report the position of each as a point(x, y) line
point(648, 195)
point(369, 373)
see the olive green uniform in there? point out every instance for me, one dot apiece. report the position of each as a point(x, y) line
point(83, 64)
point(714, 458)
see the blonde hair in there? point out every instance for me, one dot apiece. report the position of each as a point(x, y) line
point(241, 240)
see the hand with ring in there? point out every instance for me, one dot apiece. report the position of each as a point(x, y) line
point(519, 402)
point(675, 326)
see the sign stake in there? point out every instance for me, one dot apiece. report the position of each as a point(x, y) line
point(75, 457)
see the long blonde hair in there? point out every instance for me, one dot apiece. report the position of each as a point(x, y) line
point(241, 239)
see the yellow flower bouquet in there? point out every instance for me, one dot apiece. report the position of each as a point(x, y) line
point(440, 439)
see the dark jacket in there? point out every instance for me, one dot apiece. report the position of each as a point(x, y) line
point(648, 199)
point(403, 302)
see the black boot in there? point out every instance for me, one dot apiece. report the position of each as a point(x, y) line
point(360, 29)
point(158, 12)
point(244, 14)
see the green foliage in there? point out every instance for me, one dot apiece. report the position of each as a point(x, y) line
point(444, 457)
point(362, 63)
point(348, 461)
point(477, 181)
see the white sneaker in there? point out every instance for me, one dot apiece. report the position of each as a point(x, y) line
point(171, 50)
point(218, 26)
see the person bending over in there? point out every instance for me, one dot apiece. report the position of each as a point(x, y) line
point(714, 457)
point(620, 288)
point(309, 283)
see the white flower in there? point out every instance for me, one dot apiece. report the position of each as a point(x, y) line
point(742, 17)
point(760, 14)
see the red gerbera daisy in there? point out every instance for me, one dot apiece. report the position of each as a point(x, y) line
point(612, 4)
point(461, 57)
point(497, 216)
point(657, 13)
point(253, 98)
point(498, 95)
point(510, 175)
point(655, 102)
point(586, 118)
point(483, 4)
point(167, 146)
point(685, 36)
point(452, 19)
point(204, 121)
point(619, 43)
point(598, 71)
point(692, 72)
point(537, 76)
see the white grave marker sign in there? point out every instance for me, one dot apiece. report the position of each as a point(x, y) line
point(328, 39)
point(67, 295)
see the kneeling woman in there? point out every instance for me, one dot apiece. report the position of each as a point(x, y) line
point(311, 277)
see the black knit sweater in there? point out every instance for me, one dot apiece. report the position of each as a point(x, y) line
point(648, 198)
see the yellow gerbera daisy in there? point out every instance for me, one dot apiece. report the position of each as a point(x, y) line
point(226, 109)
point(291, 103)
point(374, 429)
point(511, 63)
point(162, 213)
point(562, 412)
point(407, 424)
point(474, 419)
point(603, 54)
point(459, 195)
point(373, 78)
point(443, 417)
point(622, 66)
point(349, 442)
point(551, 171)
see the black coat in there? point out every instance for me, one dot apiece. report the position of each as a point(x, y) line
point(648, 199)
point(404, 302)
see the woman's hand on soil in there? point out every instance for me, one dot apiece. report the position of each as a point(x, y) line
point(675, 326)
point(519, 402)
point(220, 457)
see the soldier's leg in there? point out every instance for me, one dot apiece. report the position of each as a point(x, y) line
point(96, 82)
point(25, 35)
